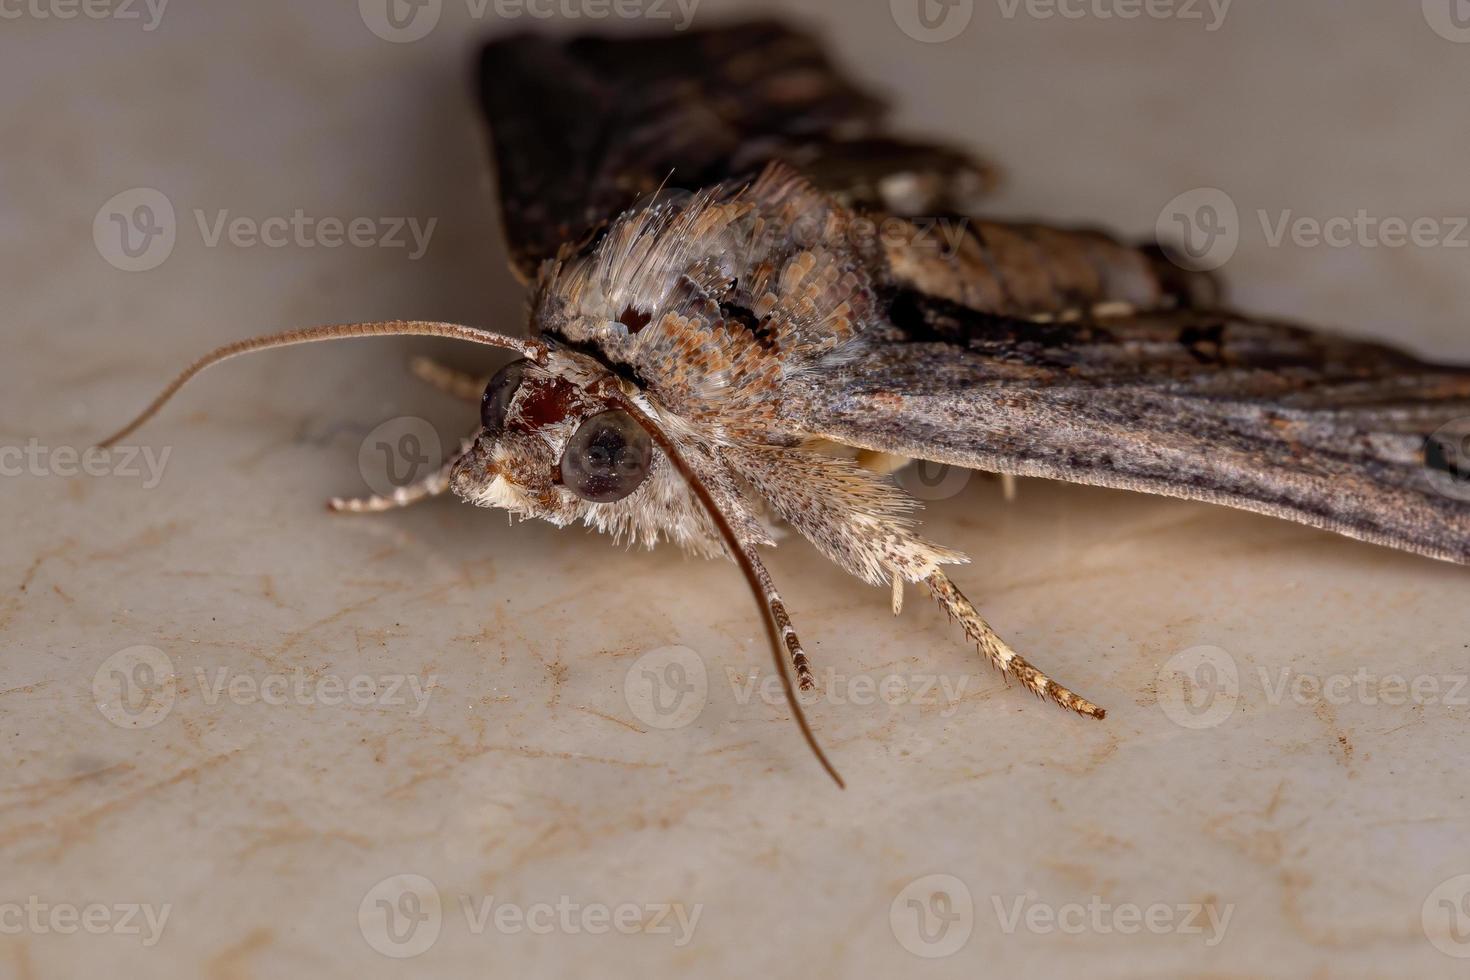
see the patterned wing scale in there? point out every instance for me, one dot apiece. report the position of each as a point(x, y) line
point(1206, 406)
point(583, 128)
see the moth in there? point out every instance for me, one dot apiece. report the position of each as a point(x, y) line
point(719, 340)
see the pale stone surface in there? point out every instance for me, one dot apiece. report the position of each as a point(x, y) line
point(263, 816)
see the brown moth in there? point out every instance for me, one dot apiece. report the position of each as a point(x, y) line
point(713, 316)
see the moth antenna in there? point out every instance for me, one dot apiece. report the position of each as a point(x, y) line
point(341, 331)
point(777, 624)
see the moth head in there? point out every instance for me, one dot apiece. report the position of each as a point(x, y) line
point(550, 446)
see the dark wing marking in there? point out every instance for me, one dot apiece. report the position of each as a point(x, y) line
point(582, 128)
point(1201, 405)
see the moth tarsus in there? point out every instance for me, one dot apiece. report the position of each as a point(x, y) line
point(708, 320)
point(1006, 660)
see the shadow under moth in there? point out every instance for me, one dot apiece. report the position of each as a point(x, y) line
point(719, 339)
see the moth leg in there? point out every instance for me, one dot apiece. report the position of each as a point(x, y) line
point(1008, 486)
point(461, 384)
point(1007, 660)
point(804, 679)
point(410, 493)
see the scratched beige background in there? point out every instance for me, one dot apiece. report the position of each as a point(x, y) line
point(1329, 829)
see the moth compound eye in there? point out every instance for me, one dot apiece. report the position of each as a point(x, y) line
point(498, 393)
point(607, 458)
